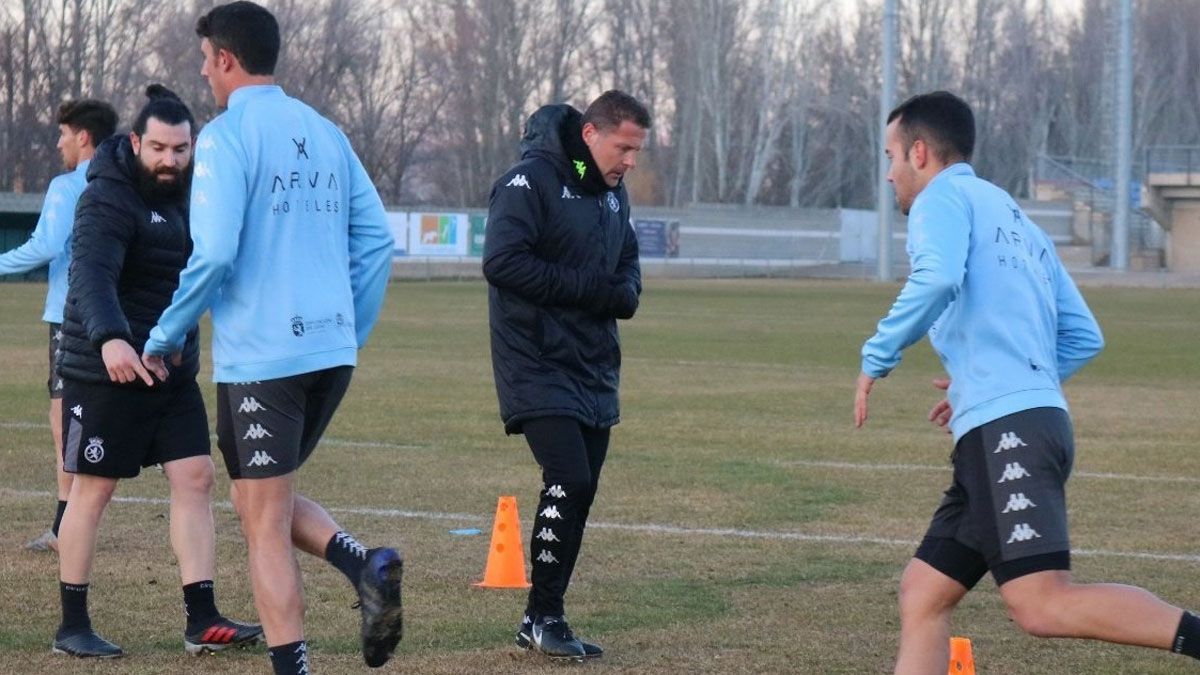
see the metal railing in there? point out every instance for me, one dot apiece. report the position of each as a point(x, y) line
point(1175, 159)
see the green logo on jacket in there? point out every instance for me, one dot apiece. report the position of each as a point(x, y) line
point(581, 167)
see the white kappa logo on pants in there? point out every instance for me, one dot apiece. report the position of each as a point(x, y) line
point(1009, 441)
point(261, 458)
point(1023, 532)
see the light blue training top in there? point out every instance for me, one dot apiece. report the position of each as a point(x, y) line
point(292, 249)
point(1000, 309)
point(51, 240)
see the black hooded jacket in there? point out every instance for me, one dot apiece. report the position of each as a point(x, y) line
point(561, 258)
point(126, 255)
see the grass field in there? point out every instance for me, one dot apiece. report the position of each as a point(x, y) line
point(793, 527)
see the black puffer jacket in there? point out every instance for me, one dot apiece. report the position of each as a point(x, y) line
point(559, 251)
point(126, 257)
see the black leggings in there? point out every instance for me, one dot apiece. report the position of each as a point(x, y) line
point(571, 455)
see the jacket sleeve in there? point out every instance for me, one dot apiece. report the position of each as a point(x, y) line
point(1079, 337)
point(49, 238)
point(217, 211)
point(515, 218)
point(103, 232)
point(370, 248)
point(629, 265)
point(939, 228)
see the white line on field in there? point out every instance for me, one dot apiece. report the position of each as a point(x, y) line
point(647, 528)
point(815, 463)
point(864, 466)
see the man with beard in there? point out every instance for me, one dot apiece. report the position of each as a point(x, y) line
point(82, 125)
point(561, 258)
point(131, 241)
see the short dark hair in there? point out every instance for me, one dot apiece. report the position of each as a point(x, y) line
point(246, 30)
point(165, 107)
point(95, 117)
point(612, 108)
point(941, 119)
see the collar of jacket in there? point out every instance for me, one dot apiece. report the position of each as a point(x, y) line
point(555, 132)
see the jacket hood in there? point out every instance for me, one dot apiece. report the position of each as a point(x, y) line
point(114, 160)
point(555, 132)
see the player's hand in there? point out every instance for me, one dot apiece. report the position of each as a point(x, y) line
point(122, 362)
point(941, 412)
point(862, 391)
point(157, 364)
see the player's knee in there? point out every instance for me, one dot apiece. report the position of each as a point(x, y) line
point(919, 600)
point(1034, 614)
point(196, 478)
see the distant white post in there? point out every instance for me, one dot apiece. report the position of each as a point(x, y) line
point(887, 99)
point(1119, 255)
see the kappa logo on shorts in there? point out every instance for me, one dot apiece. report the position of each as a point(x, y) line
point(551, 512)
point(1023, 532)
point(77, 411)
point(547, 534)
point(1013, 471)
point(556, 491)
point(156, 218)
point(249, 405)
point(256, 431)
point(94, 452)
point(1018, 502)
point(546, 557)
point(1009, 441)
point(261, 458)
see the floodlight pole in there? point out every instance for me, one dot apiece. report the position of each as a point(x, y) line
point(887, 99)
point(1119, 255)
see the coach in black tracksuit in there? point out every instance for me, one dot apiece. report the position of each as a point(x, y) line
point(131, 240)
point(561, 258)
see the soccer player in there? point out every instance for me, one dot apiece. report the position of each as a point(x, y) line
point(131, 241)
point(561, 260)
point(82, 125)
point(1009, 326)
point(292, 252)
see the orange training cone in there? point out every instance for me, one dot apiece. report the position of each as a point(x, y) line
point(961, 660)
point(506, 557)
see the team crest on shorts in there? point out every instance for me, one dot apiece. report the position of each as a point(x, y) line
point(94, 452)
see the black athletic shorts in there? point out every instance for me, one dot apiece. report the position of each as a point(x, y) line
point(114, 431)
point(54, 383)
point(1006, 510)
point(269, 428)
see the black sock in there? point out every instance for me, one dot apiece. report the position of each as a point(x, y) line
point(1187, 636)
point(62, 508)
point(290, 659)
point(199, 605)
point(346, 554)
point(74, 606)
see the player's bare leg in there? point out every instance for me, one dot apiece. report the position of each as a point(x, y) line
point(927, 600)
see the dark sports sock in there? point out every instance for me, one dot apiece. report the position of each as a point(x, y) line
point(346, 554)
point(290, 659)
point(199, 605)
point(1187, 636)
point(74, 606)
point(62, 508)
